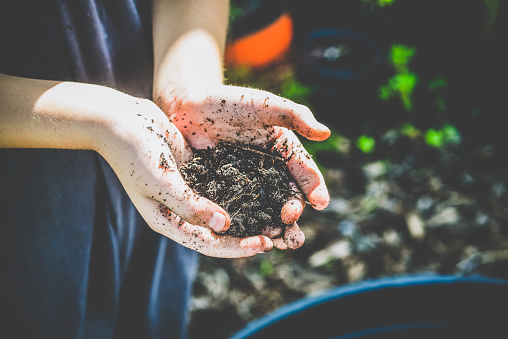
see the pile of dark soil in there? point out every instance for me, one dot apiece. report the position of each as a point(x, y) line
point(252, 185)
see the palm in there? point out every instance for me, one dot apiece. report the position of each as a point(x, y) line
point(246, 116)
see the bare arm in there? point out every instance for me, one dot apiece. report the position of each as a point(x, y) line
point(189, 39)
point(137, 140)
point(33, 114)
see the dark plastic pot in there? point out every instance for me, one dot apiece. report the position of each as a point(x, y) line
point(261, 33)
point(404, 307)
point(339, 55)
point(253, 15)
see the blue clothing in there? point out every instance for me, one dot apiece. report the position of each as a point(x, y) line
point(76, 258)
point(107, 42)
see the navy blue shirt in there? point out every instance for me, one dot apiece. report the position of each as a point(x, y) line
point(105, 42)
point(76, 258)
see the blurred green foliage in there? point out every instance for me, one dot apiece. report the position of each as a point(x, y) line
point(400, 56)
point(373, 4)
point(410, 131)
point(438, 83)
point(296, 91)
point(366, 144)
point(491, 16)
point(402, 84)
point(448, 134)
point(435, 83)
point(335, 143)
point(266, 268)
point(234, 11)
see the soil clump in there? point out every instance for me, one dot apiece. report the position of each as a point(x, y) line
point(251, 184)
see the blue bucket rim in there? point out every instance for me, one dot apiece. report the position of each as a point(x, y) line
point(357, 288)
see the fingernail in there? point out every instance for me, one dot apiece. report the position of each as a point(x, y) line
point(319, 126)
point(217, 222)
point(251, 242)
point(319, 198)
point(291, 211)
point(264, 243)
point(280, 244)
point(267, 244)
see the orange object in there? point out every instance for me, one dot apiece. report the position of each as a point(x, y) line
point(261, 48)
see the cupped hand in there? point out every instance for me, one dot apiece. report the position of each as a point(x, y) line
point(144, 148)
point(245, 116)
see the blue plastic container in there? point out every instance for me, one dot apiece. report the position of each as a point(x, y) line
point(403, 307)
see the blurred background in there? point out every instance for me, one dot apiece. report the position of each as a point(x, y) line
point(414, 92)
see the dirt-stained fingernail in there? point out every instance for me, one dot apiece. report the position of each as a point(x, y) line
point(280, 244)
point(218, 222)
point(271, 231)
point(320, 198)
point(265, 244)
point(291, 211)
point(251, 242)
point(294, 238)
point(320, 126)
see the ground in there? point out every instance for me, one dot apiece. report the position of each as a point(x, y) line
point(420, 209)
point(428, 193)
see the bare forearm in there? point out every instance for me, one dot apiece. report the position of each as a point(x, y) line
point(189, 39)
point(49, 114)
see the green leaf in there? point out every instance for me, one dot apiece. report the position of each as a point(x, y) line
point(400, 56)
point(383, 3)
point(492, 9)
point(410, 131)
point(366, 144)
point(266, 268)
point(385, 93)
point(294, 90)
point(446, 135)
point(404, 84)
point(451, 134)
point(437, 83)
point(434, 138)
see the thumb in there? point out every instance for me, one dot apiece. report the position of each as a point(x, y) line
point(277, 111)
point(193, 208)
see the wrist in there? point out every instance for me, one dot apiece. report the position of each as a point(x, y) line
point(83, 114)
point(177, 98)
point(46, 114)
point(193, 62)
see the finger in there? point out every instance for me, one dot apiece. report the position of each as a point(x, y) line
point(293, 208)
point(274, 110)
point(181, 199)
point(165, 183)
point(279, 243)
point(296, 117)
point(303, 169)
point(293, 236)
point(272, 231)
point(263, 109)
point(180, 148)
point(198, 238)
